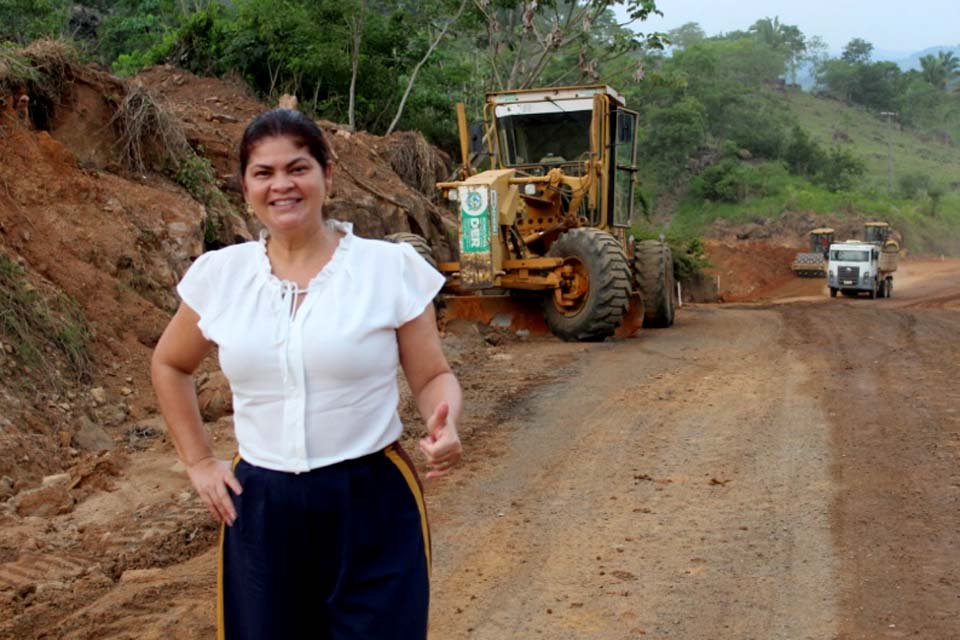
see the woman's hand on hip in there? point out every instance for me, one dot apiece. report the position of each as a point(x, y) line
point(441, 445)
point(211, 477)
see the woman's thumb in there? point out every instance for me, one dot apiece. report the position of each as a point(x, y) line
point(439, 418)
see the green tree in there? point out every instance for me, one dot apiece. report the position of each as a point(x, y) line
point(686, 35)
point(840, 170)
point(523, 38)
point(672, 134)
point(923, 105)
point(22, 21)
point(941, 69)
point(785, 38)
point(837, 78)
point(725, 181)
point(875, 85)
point(757, 122)
point(802, 155)
point(857, 51)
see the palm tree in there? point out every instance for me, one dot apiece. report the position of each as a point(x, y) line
point(941, 69)
point(768, 31)
point(785, 38)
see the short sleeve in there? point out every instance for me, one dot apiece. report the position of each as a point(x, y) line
point(195, 289)
point(419, 283)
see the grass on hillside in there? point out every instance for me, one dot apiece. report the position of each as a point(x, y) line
point(867, 134)
point(930, 225)
point(927, 226)
point(38, 324)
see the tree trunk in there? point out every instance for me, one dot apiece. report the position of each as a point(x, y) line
point(416, 69)
point(356, 36)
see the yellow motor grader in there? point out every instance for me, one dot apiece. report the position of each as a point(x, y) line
point(544, 233)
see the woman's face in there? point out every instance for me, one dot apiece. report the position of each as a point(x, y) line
point(285, 185)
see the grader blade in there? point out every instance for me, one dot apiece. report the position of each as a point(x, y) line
point(632, 319)
point(504, 312)
point(517, 313)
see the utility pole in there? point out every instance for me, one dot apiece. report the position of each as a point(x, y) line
point(889, 115)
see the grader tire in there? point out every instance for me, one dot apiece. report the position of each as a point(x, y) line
point(599, 311)
point(419, 243)
point(654, 279)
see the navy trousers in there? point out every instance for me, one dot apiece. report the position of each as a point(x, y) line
point(341, 552)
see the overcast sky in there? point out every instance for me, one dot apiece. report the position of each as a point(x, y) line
point(893, 26)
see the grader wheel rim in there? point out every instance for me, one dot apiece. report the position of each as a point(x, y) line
point(571, 299)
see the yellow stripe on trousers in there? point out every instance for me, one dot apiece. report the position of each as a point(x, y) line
point(402, 462)
point(221, 622)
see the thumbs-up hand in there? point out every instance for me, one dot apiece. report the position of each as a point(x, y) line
point(441, 445)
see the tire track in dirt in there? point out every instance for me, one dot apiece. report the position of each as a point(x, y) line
point(31, 569)
point(662, 489)
point(887, 373)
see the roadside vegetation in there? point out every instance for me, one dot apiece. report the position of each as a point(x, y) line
point(745, 144)
point(726, 131)
point(44, 338)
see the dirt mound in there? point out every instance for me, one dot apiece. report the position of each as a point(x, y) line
point(114, 246)
point(753, 270)
point(366, 191)
point(79, 227)
point(792, 229)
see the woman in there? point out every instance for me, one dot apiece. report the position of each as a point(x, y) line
point(325, 535)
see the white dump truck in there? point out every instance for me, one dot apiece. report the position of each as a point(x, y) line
point(862, 267)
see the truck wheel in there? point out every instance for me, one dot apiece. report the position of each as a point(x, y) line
point(653, 277)
point(889, 288)
point(833, 292)
point(596, 288)
point(419, 243)
point(873, 291)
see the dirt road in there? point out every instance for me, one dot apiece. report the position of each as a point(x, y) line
point(777, 470)
point(782, 471)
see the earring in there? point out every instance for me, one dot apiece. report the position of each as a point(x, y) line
point(249, 209)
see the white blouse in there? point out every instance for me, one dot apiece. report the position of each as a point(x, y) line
point(316, 385)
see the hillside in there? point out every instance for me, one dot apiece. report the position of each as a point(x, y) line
point(90, 249)
point(780, 208)
point(866, 135)
point(912, 61)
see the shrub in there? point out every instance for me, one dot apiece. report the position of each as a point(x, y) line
point(837, 169)
point(756, 123)
point(840, 170)
point(912, 184)
point(726, 181)
point(802, 154)
point(688, 252)
point(672, 134)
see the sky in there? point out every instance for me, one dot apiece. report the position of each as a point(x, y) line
point(890, 26)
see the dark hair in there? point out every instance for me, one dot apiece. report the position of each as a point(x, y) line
point(279, 123)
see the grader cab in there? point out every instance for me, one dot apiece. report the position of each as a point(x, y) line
point(546, 229)
point(881, 235)
point(876, 232)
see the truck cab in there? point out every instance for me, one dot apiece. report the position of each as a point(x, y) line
point(855, 267)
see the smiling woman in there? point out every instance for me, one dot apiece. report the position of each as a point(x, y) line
point(325, 528)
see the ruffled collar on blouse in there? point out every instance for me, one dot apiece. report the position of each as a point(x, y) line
point(335, 264)
point(284, 293)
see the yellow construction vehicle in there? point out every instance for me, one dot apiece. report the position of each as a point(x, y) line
point(544, 233)
point(813, 264)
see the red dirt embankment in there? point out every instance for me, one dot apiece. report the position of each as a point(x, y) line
point(752, 270)
point(77, 223)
